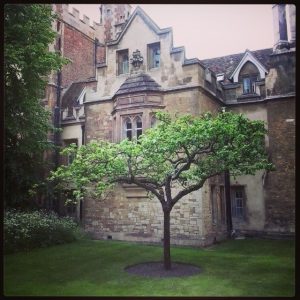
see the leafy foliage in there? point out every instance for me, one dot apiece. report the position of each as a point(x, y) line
point(185, 152)
point(182, 153)
point(28, 230)
point(27, 62)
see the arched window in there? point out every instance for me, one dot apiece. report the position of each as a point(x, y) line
point(132, 127)
point(128, 128)
point(138, 126)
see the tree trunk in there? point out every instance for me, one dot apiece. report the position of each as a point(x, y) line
point(167, 255)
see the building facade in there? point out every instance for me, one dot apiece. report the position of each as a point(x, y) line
point(126, 68)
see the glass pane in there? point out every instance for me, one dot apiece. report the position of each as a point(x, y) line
point(129, 135)
point(138, 133)
point(239, 194)
point(247, 85)
point(239, 203)
point(128, 125)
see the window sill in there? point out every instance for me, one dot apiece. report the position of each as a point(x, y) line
point(153, 69)
point(248, 96)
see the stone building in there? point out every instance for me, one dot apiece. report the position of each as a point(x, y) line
point(116, 82)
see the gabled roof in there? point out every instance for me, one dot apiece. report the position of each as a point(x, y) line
point(72, 94)
point(139, 12)
point(227, 64)
point(138, 83)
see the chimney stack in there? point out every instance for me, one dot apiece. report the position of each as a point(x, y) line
point(280, 28)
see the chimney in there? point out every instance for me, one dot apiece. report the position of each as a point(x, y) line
point(280, 28)
point(292, 25)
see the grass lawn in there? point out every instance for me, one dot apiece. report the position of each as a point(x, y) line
point(96, 268)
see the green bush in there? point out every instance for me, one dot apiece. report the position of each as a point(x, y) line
point(28, 230)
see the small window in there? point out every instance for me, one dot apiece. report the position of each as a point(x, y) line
point(58, 26)
point(138, 126)
point(214, 204)
point(154, 55)
point(128, 129)
point(122, 61)
point(238, 202)
point(67, 143)
point(133, 127)
point(70, 111)
point(249, 84)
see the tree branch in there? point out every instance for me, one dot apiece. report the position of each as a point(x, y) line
point(191, 189)
point(147, 184)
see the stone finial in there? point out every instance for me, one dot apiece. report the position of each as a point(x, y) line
point(137, 59)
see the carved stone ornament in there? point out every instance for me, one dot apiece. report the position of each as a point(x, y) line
point(137, 59)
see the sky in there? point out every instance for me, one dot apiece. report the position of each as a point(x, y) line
point(207, 31)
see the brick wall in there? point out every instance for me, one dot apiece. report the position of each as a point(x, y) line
point(80, 50)
point(280, 184)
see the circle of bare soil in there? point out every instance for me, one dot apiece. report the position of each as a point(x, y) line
point(156, 269)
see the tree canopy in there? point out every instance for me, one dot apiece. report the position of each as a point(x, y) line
point(184, 152)
point(27, 63)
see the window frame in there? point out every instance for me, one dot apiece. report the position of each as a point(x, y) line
point(241, 215)
point(136, 130)
point(252, 83)
point(120, 53)
point(150, 49)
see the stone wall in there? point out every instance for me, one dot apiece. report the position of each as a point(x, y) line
point(280, 184)
point(129, 214)
point(99, 121)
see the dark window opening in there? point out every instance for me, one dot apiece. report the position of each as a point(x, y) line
point(70, 111)
point(249, 85)
point(238, 202)
point(214, 204)
point(139, 127)
point(123, 62)
point(128, 129)
point(132, 127)
point(67, 143)
point(154, 55)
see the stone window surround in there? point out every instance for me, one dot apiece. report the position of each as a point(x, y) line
point(252, 78)
point(134, 126)
point(233, 189)
point(143, 104)
point(150, 47)
point(146, 114)
point(119, 53)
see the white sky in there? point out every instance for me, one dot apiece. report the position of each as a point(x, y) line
point(207, 31)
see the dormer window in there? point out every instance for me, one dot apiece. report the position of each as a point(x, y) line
point(249, 85)
point(154, 55)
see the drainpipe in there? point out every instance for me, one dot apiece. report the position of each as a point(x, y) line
point(54, 202)
point(228, 202)
point(57, 120)
point(95, 57)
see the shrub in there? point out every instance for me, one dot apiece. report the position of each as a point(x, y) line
point(28, 230)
